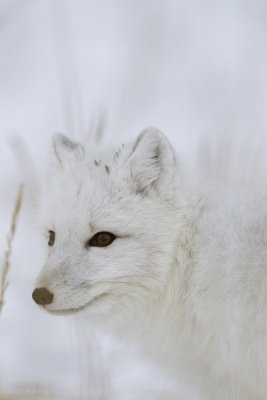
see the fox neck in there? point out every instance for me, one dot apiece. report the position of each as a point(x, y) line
point(165, 315)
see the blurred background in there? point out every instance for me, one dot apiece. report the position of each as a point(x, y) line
point(195, 69)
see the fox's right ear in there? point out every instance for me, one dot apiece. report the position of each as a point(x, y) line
point(64, 152)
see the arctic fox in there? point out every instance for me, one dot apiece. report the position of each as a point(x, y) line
point(176, 267)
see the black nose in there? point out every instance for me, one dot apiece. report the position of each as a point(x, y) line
point(42, 296)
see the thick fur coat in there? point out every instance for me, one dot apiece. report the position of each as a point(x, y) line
point(185, 278)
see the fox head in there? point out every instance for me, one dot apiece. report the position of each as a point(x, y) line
point(109, 223)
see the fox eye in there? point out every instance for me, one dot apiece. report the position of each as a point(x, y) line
point(101, 239)
point(52, 236)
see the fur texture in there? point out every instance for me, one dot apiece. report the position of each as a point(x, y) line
point(186, 277)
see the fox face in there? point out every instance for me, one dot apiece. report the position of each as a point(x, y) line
point(109, 223)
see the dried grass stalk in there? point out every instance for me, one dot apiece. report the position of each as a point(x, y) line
point(10, 239)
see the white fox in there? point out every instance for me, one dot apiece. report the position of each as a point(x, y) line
point(176, 267)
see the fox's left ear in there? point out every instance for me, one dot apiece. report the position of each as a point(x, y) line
point(152, 161)
point(64, 152)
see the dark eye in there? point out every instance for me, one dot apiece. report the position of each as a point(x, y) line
point(101, 239)
point(52, 236)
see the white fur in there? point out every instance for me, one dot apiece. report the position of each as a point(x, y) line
point(186, 277)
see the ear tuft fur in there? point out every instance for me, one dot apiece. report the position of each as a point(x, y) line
point(65, 151)
point(151, 160)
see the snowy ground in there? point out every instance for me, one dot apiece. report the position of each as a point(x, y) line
point(196, 69)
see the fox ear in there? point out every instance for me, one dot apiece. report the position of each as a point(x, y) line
point(65, 152)
point(152, 161)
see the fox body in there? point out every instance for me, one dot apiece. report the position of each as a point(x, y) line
point(139, 247)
